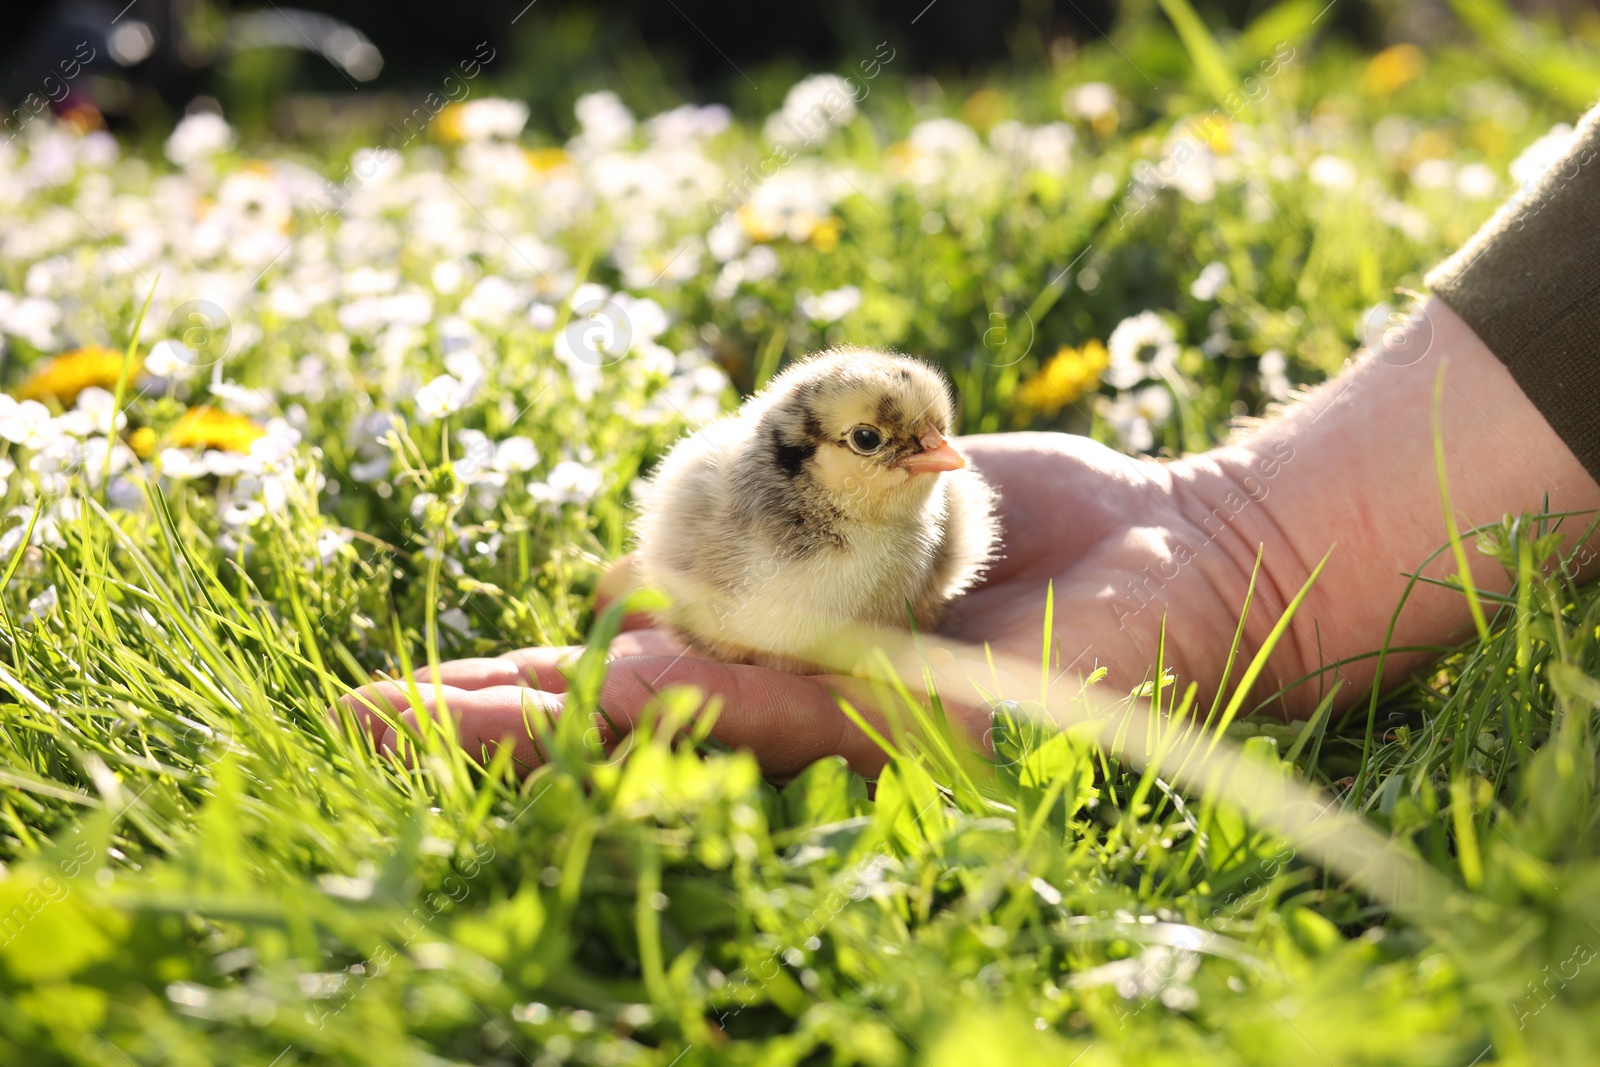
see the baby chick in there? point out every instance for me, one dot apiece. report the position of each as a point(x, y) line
point(830, 500)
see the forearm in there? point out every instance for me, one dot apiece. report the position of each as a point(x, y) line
point(1352, 470)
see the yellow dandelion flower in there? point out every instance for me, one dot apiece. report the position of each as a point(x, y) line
point(825, 237)
point(63, 377)
point(447, 124)
point(545, 160)
point(1216, 133)
point(1392, 68)
point(899, 157)
point(205, 427)
point(1069, 374)
point(142, 441)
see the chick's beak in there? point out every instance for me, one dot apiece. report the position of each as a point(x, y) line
point(937, 455)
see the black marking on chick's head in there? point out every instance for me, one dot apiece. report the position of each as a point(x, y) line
point(904, 398)
point(790, 458)
point(889, 414)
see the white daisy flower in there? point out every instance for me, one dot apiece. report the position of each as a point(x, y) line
point(43, 606)
point(570, 482)
point(761, 263)
point(727, 239)
point(1274, 373)
point(1333, 173)
point(542, 316)
point(456, 621)
point(243, 513)
point(1089, 100)
point(179, 465)
point(1142, 346)
point(1433, 174)
point(493, 300)
point(477, 458)
point(169, 359)
point(33, 318)
point(688, 123)
point(941, 136)
point(1476, 181)
point(27, 423)
point(1135, 416)
point(92, 414)
point(832, 305)
point(812, 110)
point(515, 454)
point(329, 541)
point(197, 138)
point(1213, 276)
point(447, 276)
point(605, 120)
point(442, 396)
point(491, 117)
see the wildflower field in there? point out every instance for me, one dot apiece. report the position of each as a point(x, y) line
point(279, 417)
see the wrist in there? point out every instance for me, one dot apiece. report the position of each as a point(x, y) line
point(1245, 550)
point(1350, 473)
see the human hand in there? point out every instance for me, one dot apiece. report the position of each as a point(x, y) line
point(1132, 546)
point(1074, 513)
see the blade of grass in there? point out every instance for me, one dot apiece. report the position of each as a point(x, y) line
point(1204, 52)
point(1463, 568)
point(1259, 662)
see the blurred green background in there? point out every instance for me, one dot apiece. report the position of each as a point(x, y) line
point(320, 68)
point(253, 871)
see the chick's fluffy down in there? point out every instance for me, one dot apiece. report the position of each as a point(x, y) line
point(765, 563)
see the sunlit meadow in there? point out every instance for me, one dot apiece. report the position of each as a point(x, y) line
point(280, 417)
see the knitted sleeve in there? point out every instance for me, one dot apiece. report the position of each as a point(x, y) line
point(1528, 283)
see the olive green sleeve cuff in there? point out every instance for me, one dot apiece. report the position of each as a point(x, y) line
point(1528, 283)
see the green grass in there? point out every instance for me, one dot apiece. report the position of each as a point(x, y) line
point(202, 867)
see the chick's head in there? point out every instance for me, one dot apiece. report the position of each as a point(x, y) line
point(867, 428)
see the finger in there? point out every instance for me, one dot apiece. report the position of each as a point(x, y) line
point(375, 706)
point(538, 667)
point(788, 721)
point(484, 672)
point(544, 668)
point(622, 578)
point(486, 719)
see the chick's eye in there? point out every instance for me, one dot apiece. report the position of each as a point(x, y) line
point(865, 439)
